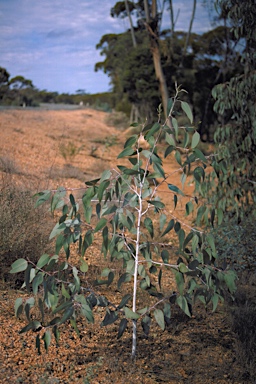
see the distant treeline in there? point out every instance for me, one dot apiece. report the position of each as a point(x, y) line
point(20, 92)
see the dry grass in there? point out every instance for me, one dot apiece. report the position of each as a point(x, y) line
point(24, 230)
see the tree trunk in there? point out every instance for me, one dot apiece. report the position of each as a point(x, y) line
point(152, 27)
point(189, 31)
point(131, 24)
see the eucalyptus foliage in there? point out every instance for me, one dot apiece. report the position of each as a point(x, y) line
point(231, 186)
point(124, 208)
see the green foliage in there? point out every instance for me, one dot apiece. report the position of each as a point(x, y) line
point(230, 188)
point(126, 211)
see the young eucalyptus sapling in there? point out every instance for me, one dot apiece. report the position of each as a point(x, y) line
point(124, 208)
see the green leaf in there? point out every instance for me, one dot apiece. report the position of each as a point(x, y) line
point(195, 140)
point(168, 228)
point(102, 188)
point(189, 208)
point(110, 318)
point(183, 268)
point(159, 316)
point(37, 281)
point(38, 344)
point(215, 300)
point(65, 292)
point(124, 300)
point(179, 281)
point(127, 152)
point(230, 278)
point(149, 226)
point(165, 256)
point(106, 175)
point(87, 313)
point(169, 106)
point(34, 325)
point(101, 224)
point(145, 323)
point(43, 261)
point(199, 174)
point(186, 108)
point(220, 216)
point(183, 304)
point(125, 278)
point(18, 307)
point(19, 266)
point(169, 150)
point(129, 314)
point(160, 278)
point(131, 141)
point(83, 266)
point(170, 140)
point(156, 203)
point(110, 278)
point(175, 189)
point(43, 197)
point(67, 314)
point(200, 155)
point(156, 127)
point(176, 127)
point(58, 228)
point(47, 339)
point(162, 221)
point(122, 327)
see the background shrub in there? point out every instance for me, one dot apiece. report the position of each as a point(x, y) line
point(24, 230)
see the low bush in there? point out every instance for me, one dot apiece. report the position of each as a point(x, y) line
point(24, 231)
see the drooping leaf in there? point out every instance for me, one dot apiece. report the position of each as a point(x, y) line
point(156, 127)
point(124, 300)
point(179, 281)
point(186, 108)
point(195, 140)
point(37, 281)
point(44, 259)
point(200, 155)
point(145, 323)
point(83, 266)
point(126, 277)
point(230, 278)
point(106, 175)
point(168, 228)
point(159, 316)
point(122, 327)
point(160, 278)
point(18, 307)
point(38, 346)
point(101, 224)
point(165, 256)
point(47, 339)
point(110, 318)
point(43, 197)
point(149, 226)
point(183, 304)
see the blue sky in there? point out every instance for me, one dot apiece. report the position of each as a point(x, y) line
point(52, 42)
